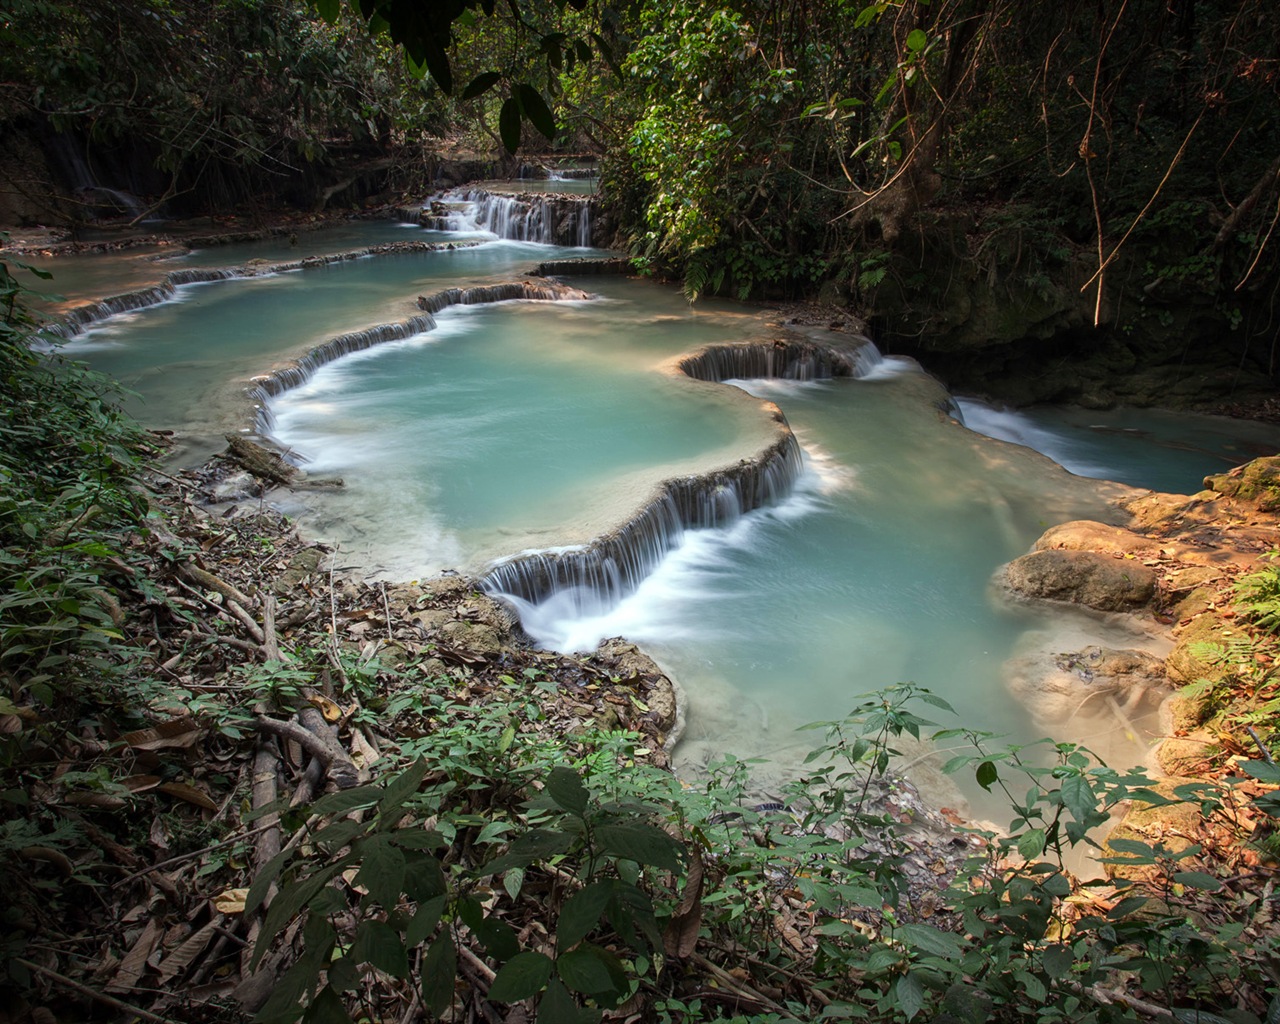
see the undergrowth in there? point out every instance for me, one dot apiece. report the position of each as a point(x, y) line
point(596, 889)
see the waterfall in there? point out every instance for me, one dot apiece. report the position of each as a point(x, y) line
point(584, 225)
point(550, 219)
point(506, 292)
point(787, 359)
point(612, 566)
point(78, 320)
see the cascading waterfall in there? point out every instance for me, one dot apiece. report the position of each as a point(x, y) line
point(786, 359)
point(612, 566)
point(524, 217)
point(80, 319)
point(601, 573)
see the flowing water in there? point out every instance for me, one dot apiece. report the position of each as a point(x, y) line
point(541, 425)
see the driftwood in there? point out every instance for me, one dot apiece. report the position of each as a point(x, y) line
point(259, 461)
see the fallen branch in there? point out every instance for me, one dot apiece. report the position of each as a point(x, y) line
point(209, 581)
point(94, 994)
point(338, 765)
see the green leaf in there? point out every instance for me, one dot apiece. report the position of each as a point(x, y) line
point(326, 1008)
point(1057, 961)
point(986, 775)
point(481, 84)
point(1186, 1015)
point(536, 110)
point(382, 871)
point(291, 899)
point(565, 787)
point(423, 877)
point(262, 881)
point(592, 971)
point(400, 788)
point(1031, 844)
point(582, 913)
point(1078, 797)
point(328, 9)
point(1197, 880)
point(1263, 772)
point(910, 995)
point(439, 968)
point(917, 39)
point(930, 940)
point(509, 124)
point(536, 844)
point(523, 976)
point(558, 1007)
point(424, 921)
point(641, 843)
point(347, 800)
point(379, 944)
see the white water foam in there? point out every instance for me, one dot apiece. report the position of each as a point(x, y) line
point(692, 573)
point(1016, 428)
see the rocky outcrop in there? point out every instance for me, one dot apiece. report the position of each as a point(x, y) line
point(1175, 566)
point(998, 308)
point(1257, 483)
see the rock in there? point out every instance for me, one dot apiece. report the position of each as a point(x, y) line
point(1187, 663)
point(234, 487)
point(629, 664)
point(1092, 682)
point(1186, 755)
point(1085, 578)
point(1085, 535)
point(302, 566)
point(474, 638)
point(1174, 826)
point(1257, 482)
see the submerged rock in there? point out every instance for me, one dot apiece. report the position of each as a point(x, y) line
point(1092, 682)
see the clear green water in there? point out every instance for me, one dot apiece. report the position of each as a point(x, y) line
point(528, 425)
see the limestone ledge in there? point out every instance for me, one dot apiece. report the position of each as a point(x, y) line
point(1169, 573)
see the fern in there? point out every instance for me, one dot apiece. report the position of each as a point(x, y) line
point(1259, 597)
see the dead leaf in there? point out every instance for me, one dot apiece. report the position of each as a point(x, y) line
point(140, 783)
point(158, 837)
point(102, 801)
point(135, 961)
point(50, 856)
point(188, 793)
point(230, 901)
point(180, 959)
point(328, 708)
point(681, 936)
point(175, 734)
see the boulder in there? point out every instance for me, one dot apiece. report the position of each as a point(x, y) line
point(1085, 578)
point(1086, 535)
point(1257, 483)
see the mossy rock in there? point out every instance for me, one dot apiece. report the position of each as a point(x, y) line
point(302, 566)
point(1257, 482)
point(1184, 665)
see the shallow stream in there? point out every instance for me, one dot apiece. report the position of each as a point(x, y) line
point(536, 425)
